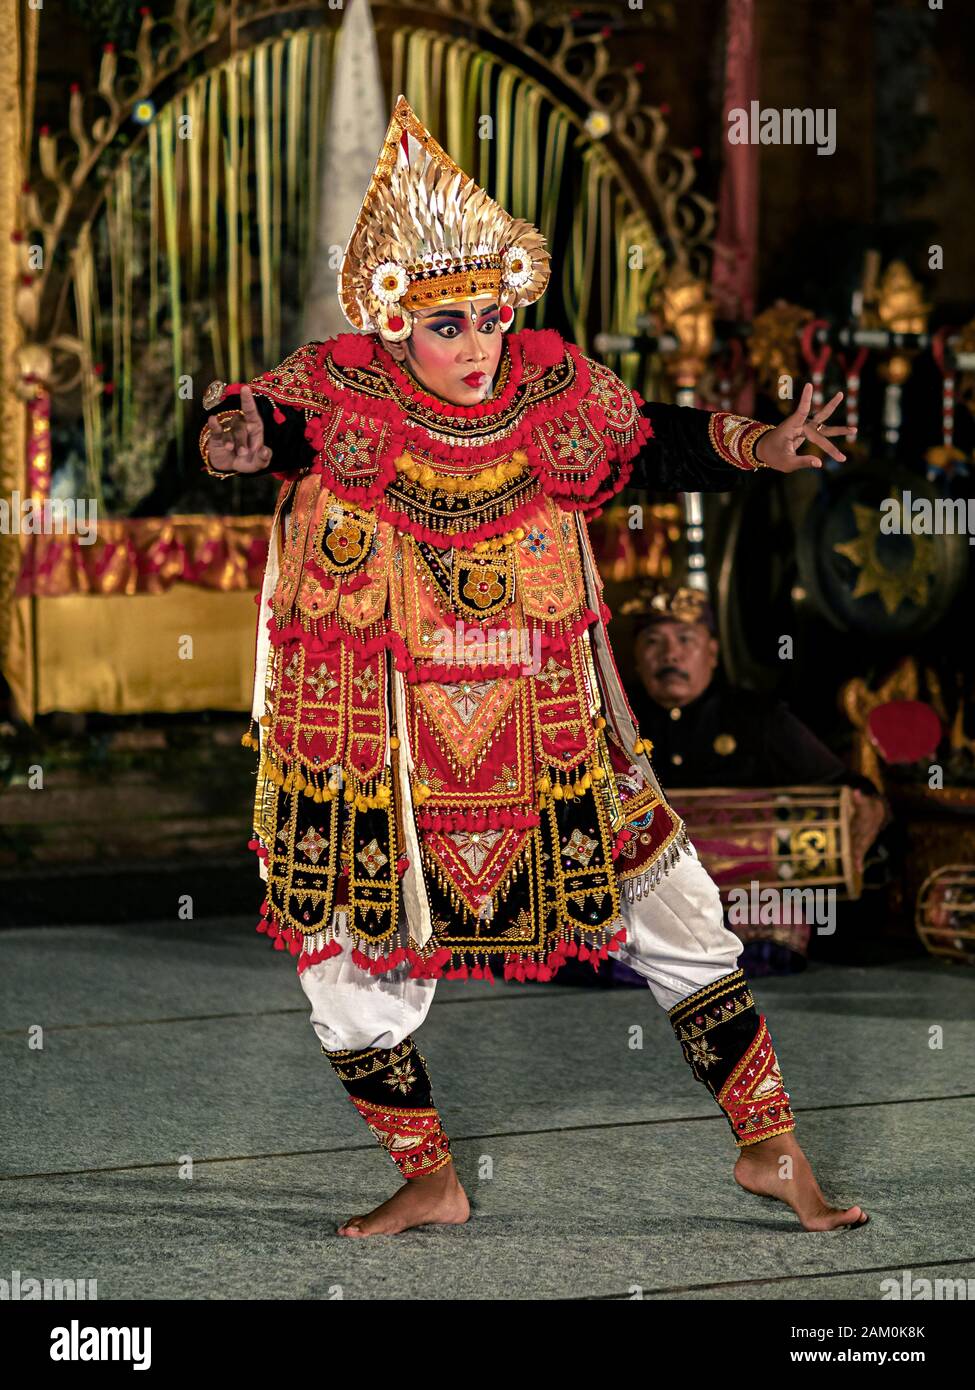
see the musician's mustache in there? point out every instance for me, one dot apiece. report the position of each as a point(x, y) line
point(664, 671)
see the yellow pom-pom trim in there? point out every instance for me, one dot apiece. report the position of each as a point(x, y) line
point(488, 480)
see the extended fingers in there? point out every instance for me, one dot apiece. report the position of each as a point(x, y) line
point(798, 416)
point(825, 411)
point(816, 436)
point(252, 418)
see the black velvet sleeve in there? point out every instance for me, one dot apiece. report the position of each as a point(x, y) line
point(291, 452)
point(679, 457)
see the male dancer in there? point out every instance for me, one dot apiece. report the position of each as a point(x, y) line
point(427, 806)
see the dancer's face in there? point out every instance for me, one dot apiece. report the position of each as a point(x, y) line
point(454, 349)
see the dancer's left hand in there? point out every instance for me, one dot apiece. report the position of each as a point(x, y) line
point(779, 449)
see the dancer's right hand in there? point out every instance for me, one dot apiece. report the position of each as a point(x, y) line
point(238, 445)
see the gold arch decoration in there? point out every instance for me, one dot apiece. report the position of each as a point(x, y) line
point(454, 59)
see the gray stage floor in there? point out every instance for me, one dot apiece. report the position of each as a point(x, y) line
point(610, 1166)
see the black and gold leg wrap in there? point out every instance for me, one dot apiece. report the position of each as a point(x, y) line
point(729, 1048)
point(390, 1088)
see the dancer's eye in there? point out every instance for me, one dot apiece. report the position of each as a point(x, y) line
point(450, 330)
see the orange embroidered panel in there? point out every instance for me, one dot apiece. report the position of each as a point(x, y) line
point(466, 715)
point(294, 542)
point(471, 744)
point(423, 611)
point(550, 579)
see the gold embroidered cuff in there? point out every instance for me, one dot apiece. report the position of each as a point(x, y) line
point(754, 1097)
point(415, 1139)
point(733, 439)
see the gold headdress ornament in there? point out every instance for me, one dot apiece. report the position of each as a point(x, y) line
point(426, 234)
point(661, 604)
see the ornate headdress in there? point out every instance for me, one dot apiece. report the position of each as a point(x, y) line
point(426, 234)
point(658, 603)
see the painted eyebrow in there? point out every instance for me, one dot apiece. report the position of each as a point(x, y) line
point(457, 313)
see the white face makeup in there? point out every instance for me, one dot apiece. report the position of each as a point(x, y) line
point(454, 349)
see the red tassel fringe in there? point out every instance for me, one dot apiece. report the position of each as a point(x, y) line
point(516, 967)
point(620, 841)
point(334, 634)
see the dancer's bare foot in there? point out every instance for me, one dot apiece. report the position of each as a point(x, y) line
point(438, 1198)
point(759, 1169)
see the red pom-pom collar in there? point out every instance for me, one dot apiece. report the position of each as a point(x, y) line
point(353, 349)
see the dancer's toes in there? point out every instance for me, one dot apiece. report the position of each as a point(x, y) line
point(834, 1218)
point(438, 1199)
point(760, 1169)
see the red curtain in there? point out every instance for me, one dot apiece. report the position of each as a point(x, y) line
point(736, 240)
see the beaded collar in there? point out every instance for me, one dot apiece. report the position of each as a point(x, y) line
point(557, 421)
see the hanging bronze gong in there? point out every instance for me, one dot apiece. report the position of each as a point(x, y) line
point(869, 565)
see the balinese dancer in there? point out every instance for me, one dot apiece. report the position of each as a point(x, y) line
point(450, 781)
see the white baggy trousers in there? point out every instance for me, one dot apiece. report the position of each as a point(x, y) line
point(676, 939)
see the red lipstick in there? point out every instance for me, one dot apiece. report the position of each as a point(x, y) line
point(475, 378)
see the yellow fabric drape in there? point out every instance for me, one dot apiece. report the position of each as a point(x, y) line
point(130, 655)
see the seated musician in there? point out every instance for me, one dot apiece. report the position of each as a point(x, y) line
point(708, 734)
